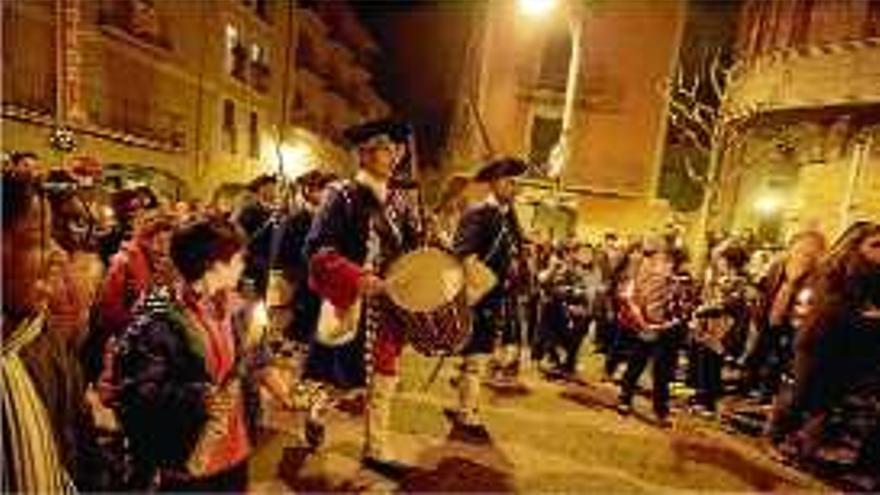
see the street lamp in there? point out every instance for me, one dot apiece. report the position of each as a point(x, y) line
point(296, 159)
point(536, 7)
point(768, 204)
point(561, 154)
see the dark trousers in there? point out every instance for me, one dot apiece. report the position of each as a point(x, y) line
point(604, 332)
point(623, 342)
point(663, 353)
point(554, 323)
point(770, 358)
point(708, 376)
point(573, 339)
point(232, 480)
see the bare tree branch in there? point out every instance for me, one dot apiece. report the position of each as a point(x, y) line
point(692, 173)
point(717, 75)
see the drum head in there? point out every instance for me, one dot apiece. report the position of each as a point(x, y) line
point(425, 279)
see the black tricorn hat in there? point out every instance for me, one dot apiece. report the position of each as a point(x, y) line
point(395, 130)
point(315, 178)
point(501, 168)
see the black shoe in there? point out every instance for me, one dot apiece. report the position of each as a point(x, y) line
point(314, 434)
point(624, 408)
point(393, 470)
point(452, 415)
point(663, 421)
point(473, 434)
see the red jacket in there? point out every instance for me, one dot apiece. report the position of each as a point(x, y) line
point(128, 277)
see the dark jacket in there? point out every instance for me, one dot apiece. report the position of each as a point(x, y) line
point(495, 237)
point(290, 258)
point(163, 381)
point(254, 219)
point(342, 226)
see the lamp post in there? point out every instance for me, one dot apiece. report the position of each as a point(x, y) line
point(561, 154)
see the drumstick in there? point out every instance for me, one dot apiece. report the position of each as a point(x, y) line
point(434, 373)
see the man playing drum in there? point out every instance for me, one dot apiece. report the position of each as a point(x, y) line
point(354, 237)
point(491, 232)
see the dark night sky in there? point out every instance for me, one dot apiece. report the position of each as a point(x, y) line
point(423, 43)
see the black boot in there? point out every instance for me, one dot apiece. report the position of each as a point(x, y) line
point(393, 470)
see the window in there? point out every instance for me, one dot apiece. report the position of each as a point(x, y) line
point(801, 20)
point(262, 8)
point(872, 19)
point(256, 53)
point(259, 68)
point(228, 135)
point(236, 53)
point(555, 59)
point(544, 136)
point(254, 134)
point(231, 42)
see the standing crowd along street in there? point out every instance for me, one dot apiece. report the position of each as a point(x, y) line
point(145, 339)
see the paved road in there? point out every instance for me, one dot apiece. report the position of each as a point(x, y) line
point(547, 437)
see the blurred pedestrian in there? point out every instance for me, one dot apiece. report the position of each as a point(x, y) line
point(181, 358)
point(42, 389)
point(724, 309)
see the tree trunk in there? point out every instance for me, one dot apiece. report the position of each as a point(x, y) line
point(701, 244)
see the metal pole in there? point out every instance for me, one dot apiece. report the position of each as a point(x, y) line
point(576, 28)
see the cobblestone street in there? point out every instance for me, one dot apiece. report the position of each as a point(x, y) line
point(550, 437)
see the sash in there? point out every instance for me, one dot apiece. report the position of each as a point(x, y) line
point(34, 454)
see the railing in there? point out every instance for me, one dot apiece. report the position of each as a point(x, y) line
point(260, 76)
point(239, 62)
point(30, 88)
point(138, 117)
point(142, 25)
point(837, 73)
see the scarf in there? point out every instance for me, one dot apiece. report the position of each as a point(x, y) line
point(30, 448)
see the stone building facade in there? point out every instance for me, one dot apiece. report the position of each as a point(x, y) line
point(804, 95)
point(200, 92)
point(512, 102)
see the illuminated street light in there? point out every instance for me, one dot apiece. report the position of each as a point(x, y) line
point(768, 204)
point(574, 13)
point(296, 158)
point(536, 8)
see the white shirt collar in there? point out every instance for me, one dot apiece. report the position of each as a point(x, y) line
point(493, 200)
point(375, 184)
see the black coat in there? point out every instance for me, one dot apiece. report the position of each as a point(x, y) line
point(496, 238)
point(343, 225)
point(163, 383)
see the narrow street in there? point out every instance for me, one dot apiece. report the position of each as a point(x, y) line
point(551, 437)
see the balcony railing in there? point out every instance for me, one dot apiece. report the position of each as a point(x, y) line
point(32, 89)
point(129, 114)
point(239, 62)
point(135, 19)
point(260, 76)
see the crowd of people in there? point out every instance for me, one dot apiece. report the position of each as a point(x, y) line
point(791, 332)
point(141, 333)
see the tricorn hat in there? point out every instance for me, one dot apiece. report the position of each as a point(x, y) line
point(315, 178)
point(501, 168)
point(394, 130)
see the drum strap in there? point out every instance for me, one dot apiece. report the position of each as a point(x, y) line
point(434, 373)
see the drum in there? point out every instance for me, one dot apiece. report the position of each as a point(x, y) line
point(428, 288)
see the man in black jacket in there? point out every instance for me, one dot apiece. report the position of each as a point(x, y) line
point(491, 232)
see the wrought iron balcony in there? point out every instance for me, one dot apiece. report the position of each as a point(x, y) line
point(29, 88)
point(135, 19)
